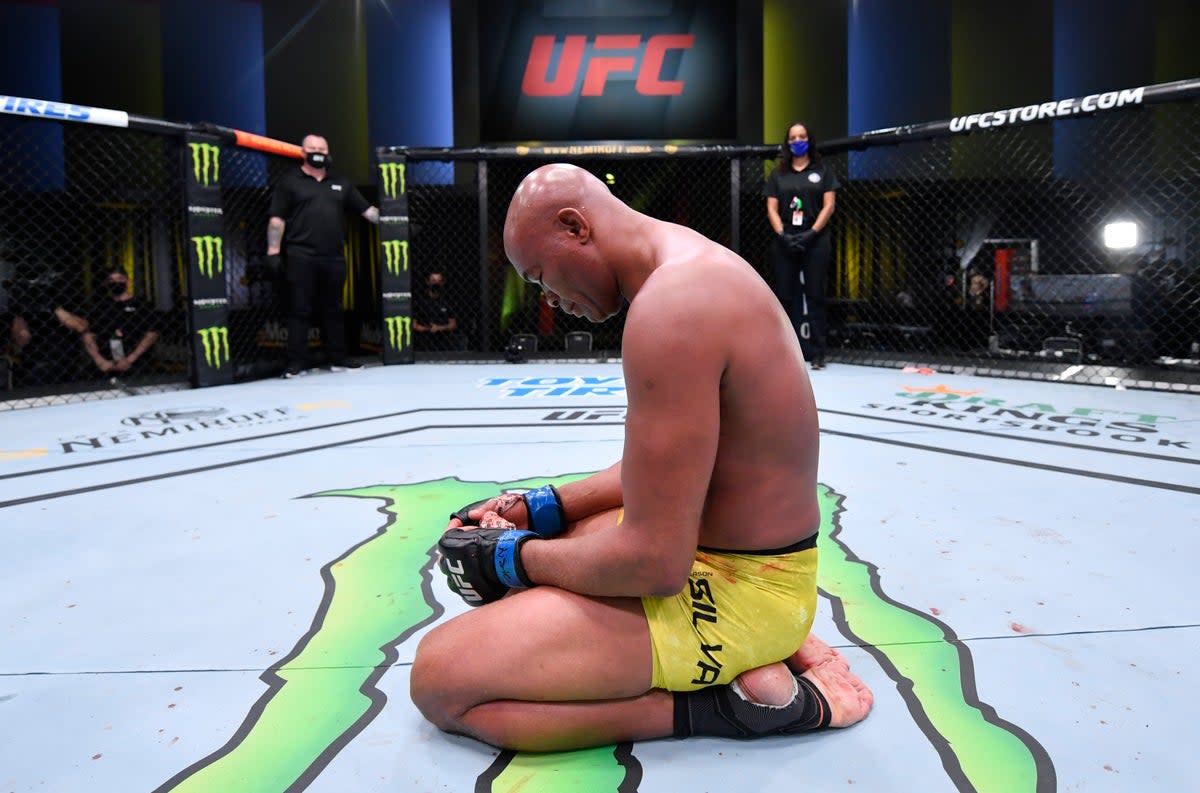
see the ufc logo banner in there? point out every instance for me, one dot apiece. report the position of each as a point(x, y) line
point(565, 71)
point(650, 55)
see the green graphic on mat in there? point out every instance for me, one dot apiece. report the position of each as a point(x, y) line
point(324, 692)
point(933, 671)
point(606, 768)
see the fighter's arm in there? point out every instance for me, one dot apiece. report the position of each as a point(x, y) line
point(673, 368)
point(580, 499)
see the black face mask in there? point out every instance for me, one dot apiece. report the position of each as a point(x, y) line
point(317, 159)
point(435, 291)
point(116, 288)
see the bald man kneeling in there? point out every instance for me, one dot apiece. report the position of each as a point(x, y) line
point(671, 594)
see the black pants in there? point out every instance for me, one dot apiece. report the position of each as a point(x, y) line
point(800, 286)
point(315, 291)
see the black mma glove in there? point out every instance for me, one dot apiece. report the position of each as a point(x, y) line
point(462, 512)
point(481, 565)
point(543, 505)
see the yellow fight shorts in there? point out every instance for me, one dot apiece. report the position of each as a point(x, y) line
point(738, 611)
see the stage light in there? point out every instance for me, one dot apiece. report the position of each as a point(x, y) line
point(1120, 235)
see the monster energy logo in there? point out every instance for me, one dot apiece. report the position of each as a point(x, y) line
point(216, 344)
point(399, 332)
point(395, 253)
point(392, 175)
point(206, 163)
point(210, 255)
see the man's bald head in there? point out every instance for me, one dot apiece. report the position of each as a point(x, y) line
point(550, 236)
point(542, 196)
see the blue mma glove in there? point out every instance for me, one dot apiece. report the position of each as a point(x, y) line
point(481, 565)
point(543, 505)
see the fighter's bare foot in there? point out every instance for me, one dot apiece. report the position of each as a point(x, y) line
point(771, 685)
point(849, 698)
point(814, 652)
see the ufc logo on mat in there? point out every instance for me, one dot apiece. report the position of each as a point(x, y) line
point(651, 54)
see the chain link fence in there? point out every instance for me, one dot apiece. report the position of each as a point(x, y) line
point(457, 207)
point(83, 205)
point(1054, 242)
point(1062, 250)
point(257, 323)
point(78, 203)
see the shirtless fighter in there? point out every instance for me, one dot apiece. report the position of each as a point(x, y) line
point(671, 594)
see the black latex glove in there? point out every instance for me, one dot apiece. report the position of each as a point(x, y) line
point(799, 241)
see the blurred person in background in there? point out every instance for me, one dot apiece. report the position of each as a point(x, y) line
point(434, 320)
point(119, 330)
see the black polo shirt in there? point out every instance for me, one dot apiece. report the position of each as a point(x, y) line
point(801, 194)
point(127, 320)
point(315, 212)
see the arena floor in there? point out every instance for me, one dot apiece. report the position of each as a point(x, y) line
point(222, 589)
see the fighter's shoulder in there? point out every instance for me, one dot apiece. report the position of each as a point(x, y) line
point(683, 287)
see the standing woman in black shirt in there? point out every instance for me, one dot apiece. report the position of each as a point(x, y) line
point(309, 205)
point(801, 194)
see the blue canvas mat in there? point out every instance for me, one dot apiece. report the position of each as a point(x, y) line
point(222, 589)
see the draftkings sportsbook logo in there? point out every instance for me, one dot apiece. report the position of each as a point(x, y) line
point(210, 255)
point(392, 176)
point(215, 340)
point(206, 163)
point(395, 256)
point(399, 332)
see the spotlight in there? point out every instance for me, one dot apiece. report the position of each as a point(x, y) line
point(1121, 235)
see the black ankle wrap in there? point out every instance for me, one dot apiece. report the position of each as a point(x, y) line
point(719, 711)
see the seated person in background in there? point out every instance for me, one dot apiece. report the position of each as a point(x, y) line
point(119, 330)
point(434, 322)
point(36, 342)
point(978, 294)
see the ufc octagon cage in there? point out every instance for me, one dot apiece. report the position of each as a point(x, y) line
point(1058, 241)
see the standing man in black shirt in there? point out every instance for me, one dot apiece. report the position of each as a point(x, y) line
point(801, 193)
point(310, 205)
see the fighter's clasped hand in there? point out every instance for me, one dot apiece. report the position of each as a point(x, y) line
point(539, 510)
point(483, 560)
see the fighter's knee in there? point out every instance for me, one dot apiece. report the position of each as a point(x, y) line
point(430, 685)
